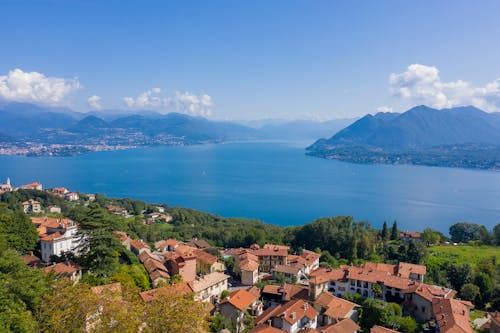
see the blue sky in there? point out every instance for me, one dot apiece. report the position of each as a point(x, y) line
point(253, 59)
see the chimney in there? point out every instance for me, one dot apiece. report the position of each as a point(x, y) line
point(269, 322)
point(293, 315)
point(306, 306)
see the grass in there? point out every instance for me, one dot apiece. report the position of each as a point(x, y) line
point(465, 253)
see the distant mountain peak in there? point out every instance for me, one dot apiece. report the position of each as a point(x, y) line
point(420, 126)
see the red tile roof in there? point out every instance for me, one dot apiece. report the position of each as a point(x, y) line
point(249, 265)
point(295, 310)
point(336, 308)
point(381, 329)
point(139, 244)
point(240, 299)
point(343, 326)
point(62, 268)
point(429, 292)
point(452, 316)
point(405, 269)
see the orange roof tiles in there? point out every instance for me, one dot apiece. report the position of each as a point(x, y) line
point(240, 299)
point(62, 268)
point(139, 244)
point(381, 329)
point(429, 292)
point(249, 265)
point(336, 307)
point(254, 291)
point(452, 316)
point(152, 265)
point(205, 257)
point(295, 310)
point(343, 326)
point(405, 269)
point(271, 289)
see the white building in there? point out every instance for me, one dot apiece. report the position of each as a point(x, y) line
point(57, 236)
point(209, 287)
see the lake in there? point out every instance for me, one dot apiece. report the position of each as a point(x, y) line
point(274, 182)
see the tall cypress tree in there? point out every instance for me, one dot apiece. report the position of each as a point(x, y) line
point(394, 231)
point(385, 232)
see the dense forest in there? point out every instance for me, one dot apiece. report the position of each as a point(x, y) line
point(29, 300)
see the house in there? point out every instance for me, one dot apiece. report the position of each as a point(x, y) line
point(333, 309)
point(207, 263)
point(275, 295)
point(408, 236)
point(157, 271)
point(290, 317)
point(343, 326)
point(249, 272)
point(290, 273)
point(54, 209)
point(271, 256)
point(60, 191)
point(167, 245)
point(71, 196)
point(419, 299)
point(199, 244)
point(65, 269)
point(452, 315)
point(181, 264)
point(208, 288)
point(234, 306)
point(381, 329)
point(32, 206)
point(32, 186)
point(137, 246)
point(373, 280)
point(57, 236)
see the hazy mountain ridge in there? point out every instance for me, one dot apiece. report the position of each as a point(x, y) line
point(418, 135)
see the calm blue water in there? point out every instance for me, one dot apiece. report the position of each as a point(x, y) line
point(274, 182)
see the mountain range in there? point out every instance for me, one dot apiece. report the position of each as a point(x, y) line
point(421, 135)
point(45, 125)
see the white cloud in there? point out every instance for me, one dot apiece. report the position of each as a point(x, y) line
point(34, 87)
point(384, 108)
point(198, 105)
point(94, 102)
point(421, 84)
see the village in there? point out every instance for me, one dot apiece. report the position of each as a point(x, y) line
point(259, 289)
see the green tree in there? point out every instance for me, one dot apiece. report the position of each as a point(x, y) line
point(218, 323)
point(416, 253)
point(16, 230)
point(99, 245)
point(463, 232)
point(132, 276)
point(486, 286)
point(470, 292)
point(385, 232)
point(394, 231)
point(459, 274)
point(21, 290)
